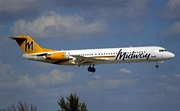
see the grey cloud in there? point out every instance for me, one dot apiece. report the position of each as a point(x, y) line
point(55, 25)
point(96, 16)
point(15, 5)
point(6, 72)
point(53, 78)
point(124, 70)
point(115, 89)
point(120, 10)
point(55, 30)
point(92, 3)
point(127, 89)
point(172, 31)
point(171, 88)
point(13, 9)
point(176, 75)
point(108, 82)
point(171, 10)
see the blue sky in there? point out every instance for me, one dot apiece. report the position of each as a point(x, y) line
point(79, 24)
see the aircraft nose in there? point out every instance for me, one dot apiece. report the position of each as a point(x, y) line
point(171, 55)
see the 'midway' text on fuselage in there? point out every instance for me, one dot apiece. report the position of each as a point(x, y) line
point(132, 55)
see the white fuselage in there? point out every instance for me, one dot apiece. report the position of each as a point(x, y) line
point(107, 55)
point(91, 57)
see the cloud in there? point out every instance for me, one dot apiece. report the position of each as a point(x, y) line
point(6, 72)
point(163, 76)
point(110, 83)
point(96, 76)
point(124, 70)
point(55, 25)
point(120, 8)
point(91, 21)
point(172, 31)
point(171, 88)
point(176, 75)
point(135, 8)
point(43, 80)
point(15, 5)
point(114, 81)
point(171, 10)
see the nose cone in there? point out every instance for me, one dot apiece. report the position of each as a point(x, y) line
point(171, 55)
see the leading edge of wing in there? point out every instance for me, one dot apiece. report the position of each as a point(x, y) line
point(81, 60)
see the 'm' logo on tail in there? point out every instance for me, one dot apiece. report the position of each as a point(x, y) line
point(29, 46)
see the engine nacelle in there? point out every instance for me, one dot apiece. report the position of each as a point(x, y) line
point(58, 56)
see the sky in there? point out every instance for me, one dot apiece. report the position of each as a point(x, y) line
point(88, 24)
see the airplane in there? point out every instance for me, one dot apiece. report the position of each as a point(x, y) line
point(91, 57)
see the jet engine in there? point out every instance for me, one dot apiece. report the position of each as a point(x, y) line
point(58, 56)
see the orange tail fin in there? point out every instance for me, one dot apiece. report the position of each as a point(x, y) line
point(27, 44)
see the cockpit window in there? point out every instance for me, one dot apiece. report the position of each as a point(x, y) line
point(162, 50)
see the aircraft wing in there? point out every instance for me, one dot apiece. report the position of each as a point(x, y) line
point(80, 60)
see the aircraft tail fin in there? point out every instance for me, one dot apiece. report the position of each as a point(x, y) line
point(27, 44)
